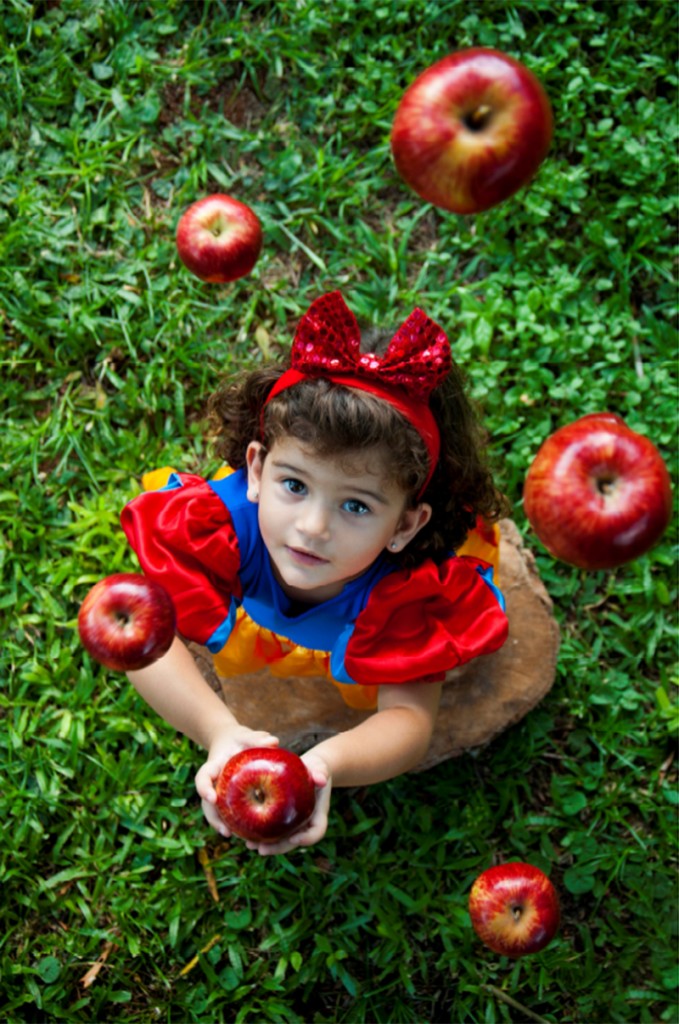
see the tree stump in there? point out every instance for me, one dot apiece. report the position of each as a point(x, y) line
point(479, 700)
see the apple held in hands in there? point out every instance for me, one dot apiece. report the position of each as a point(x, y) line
point(264, 794)
point(598, 494)
point(514, 909)
point(471, 130)
point(219, 239)
point(127, 621)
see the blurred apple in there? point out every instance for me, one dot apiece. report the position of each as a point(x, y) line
point(126, 622)
point(219, 239)
point(264, 794)
point(514, 909)
point(598, 494)
point(471, 130)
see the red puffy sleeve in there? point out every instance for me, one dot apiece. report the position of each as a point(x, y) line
point(420, 623)
point(184, 539)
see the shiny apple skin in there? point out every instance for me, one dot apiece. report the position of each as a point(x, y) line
point(219, 239)
point(264, 794)
point(453, 166)
point(127, 621)
point(598, 494)
point(514, 909)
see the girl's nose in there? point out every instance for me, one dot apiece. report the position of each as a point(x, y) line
point(315, 520)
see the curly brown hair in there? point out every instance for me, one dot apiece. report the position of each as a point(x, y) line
point(335, 420)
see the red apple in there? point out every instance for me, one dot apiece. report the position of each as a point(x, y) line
point(265, 794)
point(514, 909)
point(219, 239)
point(471, 130)
point(598, 494)
point(127, 621)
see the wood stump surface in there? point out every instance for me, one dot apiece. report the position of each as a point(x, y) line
point(478, 702)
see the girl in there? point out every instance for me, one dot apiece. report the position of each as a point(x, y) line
point(328, 549)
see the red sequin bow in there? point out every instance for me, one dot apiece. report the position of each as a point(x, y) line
point(327, 343)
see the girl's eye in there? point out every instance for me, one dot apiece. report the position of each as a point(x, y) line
point(357, 508)
point(294, 486)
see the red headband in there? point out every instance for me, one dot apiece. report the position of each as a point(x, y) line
point(327, 344)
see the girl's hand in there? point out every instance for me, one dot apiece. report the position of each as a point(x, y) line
point(315, 828)
point(227, 743)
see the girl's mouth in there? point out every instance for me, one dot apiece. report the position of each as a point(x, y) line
point(306, 557)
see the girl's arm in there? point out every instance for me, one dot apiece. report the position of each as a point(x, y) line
point(390, 742)
point(174, 687)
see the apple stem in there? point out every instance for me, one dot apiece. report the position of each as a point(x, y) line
point(477, 119)
point(605, 486)
point(216, 226)
point(504, 998)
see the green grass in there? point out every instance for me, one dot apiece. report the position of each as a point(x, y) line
point(114, 116)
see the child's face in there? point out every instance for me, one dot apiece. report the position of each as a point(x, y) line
point(325, 521)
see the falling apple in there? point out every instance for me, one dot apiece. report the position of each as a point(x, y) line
point(127, 621)
point(264, 794)
point(219, 238)
point(597, 493)
point(471, 130)
point(514, 909)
